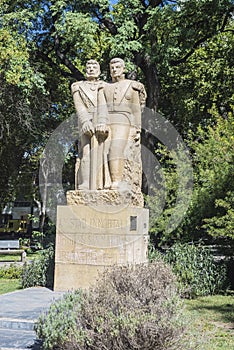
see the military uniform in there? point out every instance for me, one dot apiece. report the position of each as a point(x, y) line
point(90, 106)
point(89, 99)
point(125, 101)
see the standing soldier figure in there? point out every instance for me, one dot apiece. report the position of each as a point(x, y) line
point(125, 102)
point(92, 114)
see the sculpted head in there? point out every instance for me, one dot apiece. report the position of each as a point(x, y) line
point(117, 68)
point(92, 69)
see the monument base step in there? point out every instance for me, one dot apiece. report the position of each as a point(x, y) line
point(19, 311)
point(16, 339)
point(18, 324)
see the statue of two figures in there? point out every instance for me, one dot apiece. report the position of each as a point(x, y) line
point(109, 119)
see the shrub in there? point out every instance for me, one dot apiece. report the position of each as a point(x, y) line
point(55, 326)
point(40, 271)
point(131, 308)
point(196, 270)
point(10, 272)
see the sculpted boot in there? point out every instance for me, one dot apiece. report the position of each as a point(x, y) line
point(116, 171)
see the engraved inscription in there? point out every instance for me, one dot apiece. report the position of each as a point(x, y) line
point(88, 257)
point(63, 241)
point(76, 224)
point(105, 223)
point(73, 223)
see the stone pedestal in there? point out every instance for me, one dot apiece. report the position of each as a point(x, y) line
point(91, 238)
point(110, 198)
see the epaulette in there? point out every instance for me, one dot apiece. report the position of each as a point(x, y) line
point(75, 86)
point(136, 85)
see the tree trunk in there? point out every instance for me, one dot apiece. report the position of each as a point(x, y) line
point(151, 81)
point(148, 139)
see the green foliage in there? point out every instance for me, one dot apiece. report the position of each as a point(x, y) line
point(10, 272)
point(25, 243)
point(211, 207)
point(46, 238)
point(40, 271)
point(130, 308)
point(13, 56)
point(61, 36)
point(222, 224)
point(9, 285)
point(61, 320)
point(213, 167)
point(196, 270)
point(193, 53)
point(37, 239)
point(166, 206)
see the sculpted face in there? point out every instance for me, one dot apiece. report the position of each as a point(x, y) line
point(92, 70)
point(116, 69)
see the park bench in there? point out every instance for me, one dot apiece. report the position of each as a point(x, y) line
point(11, 247)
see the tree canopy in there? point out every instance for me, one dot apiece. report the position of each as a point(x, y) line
point(153, 37)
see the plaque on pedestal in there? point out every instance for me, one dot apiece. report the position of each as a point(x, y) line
point(89, 240)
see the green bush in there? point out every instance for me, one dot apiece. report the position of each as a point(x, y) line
point(131, 308)
point(10, 272)
point(55, 326)
point(196, 270)
point(39, 272)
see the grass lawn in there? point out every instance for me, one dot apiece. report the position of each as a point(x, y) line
point(17, 258)
point(10, 258)
point(213, 319)
point(9, 285)
point(10, 271)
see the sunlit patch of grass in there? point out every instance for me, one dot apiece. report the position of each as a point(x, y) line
point(213, 316)
point(17, 258)
point(10, 258)
point(9, 285)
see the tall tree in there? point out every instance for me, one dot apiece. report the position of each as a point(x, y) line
point(151, 35)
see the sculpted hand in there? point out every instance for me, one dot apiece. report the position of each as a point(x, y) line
point(87, 128)
point(102, 131)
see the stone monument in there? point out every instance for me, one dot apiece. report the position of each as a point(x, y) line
point(104, 222)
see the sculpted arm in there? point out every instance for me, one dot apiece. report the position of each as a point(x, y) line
point(139, 102)
point(102, 127)
point(82, 111)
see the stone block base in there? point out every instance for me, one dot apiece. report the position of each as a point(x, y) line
point(105, 197)
point(89, 240)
